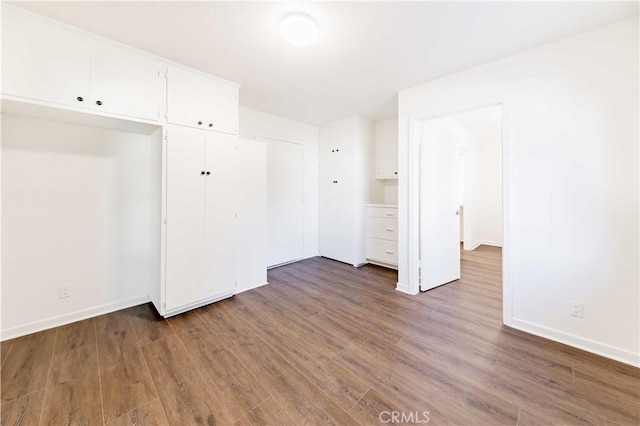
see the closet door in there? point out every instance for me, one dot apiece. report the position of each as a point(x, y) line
point(124, 82)
point(220, 218)
point(285, 202)
point(44, 63)
point(328, 191)
point(185, 218)
point(344, 205)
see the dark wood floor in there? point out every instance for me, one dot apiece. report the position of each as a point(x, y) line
point(323, 343)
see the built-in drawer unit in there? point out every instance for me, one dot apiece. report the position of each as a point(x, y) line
point(384, 228)
point(382, 235)
point(389, 212)
point(382, 251)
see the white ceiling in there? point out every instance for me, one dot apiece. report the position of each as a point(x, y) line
point(366, 53)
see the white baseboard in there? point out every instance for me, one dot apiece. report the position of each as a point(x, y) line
point(472, 248)
point(242, 290)
point(383, 264)
point(483, 243)
point(603, 349)
point(404, 288)
point(57, 321)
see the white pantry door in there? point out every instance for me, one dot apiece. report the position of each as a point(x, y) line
point(185, 218)
point(439, 204)
point(285, 202)
point(221, 208)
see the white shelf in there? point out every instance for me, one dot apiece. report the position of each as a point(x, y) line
point(48, 111)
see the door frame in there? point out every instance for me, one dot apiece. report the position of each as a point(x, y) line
point(413, 200)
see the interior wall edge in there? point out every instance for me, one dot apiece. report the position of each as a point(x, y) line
point(404, 288)
point(613, 352)
point(69, 318)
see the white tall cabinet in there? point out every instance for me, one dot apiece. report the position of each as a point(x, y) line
point(344, 171)
point(55, 72)
point(202, 198)
point(201, 207)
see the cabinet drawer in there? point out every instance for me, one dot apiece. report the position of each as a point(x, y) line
point(384, 228)
point(382, 251)
point(388, 212)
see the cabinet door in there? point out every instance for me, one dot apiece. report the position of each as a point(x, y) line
point(183, 98)
point(219, 104)
point(221, 208)
point(344, 224)
point(185, 218)
point(125, 82)
point(327, 202)
point(387, 149)
point(42, 62)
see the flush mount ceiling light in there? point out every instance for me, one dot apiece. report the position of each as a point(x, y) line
point(299, 29)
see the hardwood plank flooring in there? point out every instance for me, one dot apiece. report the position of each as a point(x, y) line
point(27, 365)
point(323, 343)
point(150, 414)
point(73, 392)
point(24, 410)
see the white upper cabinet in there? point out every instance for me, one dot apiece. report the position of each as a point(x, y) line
point(183, 98)
point(42, 62)
point(47, 62)
point(387, 149)
point(125, 82)
point(202, 102)
point(220, 101)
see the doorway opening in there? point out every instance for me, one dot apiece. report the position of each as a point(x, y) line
point(460, 192)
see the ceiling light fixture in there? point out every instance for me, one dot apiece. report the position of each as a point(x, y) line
point(299, 29)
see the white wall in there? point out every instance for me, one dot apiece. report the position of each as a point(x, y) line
point(80, 207)
point(489, 148)
point(571, 117)
point(256, 124)
point(252, 214)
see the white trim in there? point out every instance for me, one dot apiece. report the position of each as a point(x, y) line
point(251, 287)
point(609, 351)
point(288, 262)
point(413, 202)
point(507, 279)
point(383, 264)
point(209, 300)
point(490, 243)
point(404, 288)
point(72, 317)
point(484, 243)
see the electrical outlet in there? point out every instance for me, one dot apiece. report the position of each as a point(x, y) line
point(64, 291)
point(576, 309)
